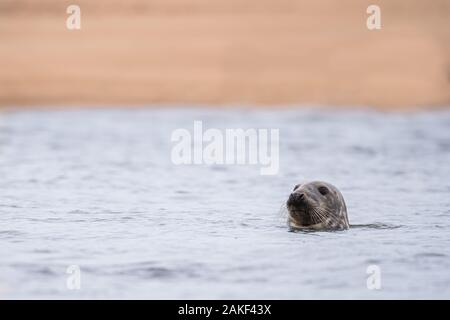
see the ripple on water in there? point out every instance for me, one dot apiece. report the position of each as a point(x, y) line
point(11, 234)
point(124, 201)
point(375, 226)
point(39, 269)
point(430, 255)
point(153, 270)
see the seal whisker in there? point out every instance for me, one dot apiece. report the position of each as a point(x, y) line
point(317, 215)
point(312, 214)
point(320, 214)
point(283, 211)
point(283, 214)
point(327, 211)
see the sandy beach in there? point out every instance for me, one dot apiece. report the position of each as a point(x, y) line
point(225, 52)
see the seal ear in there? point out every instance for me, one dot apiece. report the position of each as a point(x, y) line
point(296, 187)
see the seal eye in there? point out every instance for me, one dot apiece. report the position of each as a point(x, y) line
point(323, 190)
point(296, 187)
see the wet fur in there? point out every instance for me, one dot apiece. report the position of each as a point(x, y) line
point(318, 212)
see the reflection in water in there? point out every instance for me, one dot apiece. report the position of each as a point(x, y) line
point(374, 226)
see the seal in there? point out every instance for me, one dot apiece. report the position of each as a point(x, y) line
point(317, 205)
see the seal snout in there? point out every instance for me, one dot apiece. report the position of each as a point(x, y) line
point(296, 198)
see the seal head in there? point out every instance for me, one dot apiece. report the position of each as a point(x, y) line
point(317, 205)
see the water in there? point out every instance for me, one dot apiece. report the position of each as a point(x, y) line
point(97, 189)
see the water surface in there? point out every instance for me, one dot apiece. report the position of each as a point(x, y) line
point(97, 189)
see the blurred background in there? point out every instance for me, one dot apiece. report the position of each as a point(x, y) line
point(97, 188)
point(224, 52)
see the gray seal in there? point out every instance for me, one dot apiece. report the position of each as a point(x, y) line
point(317, 205)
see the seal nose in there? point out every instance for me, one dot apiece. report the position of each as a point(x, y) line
point(296, 198)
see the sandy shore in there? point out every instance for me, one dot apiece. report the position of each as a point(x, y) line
point(264, 52)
